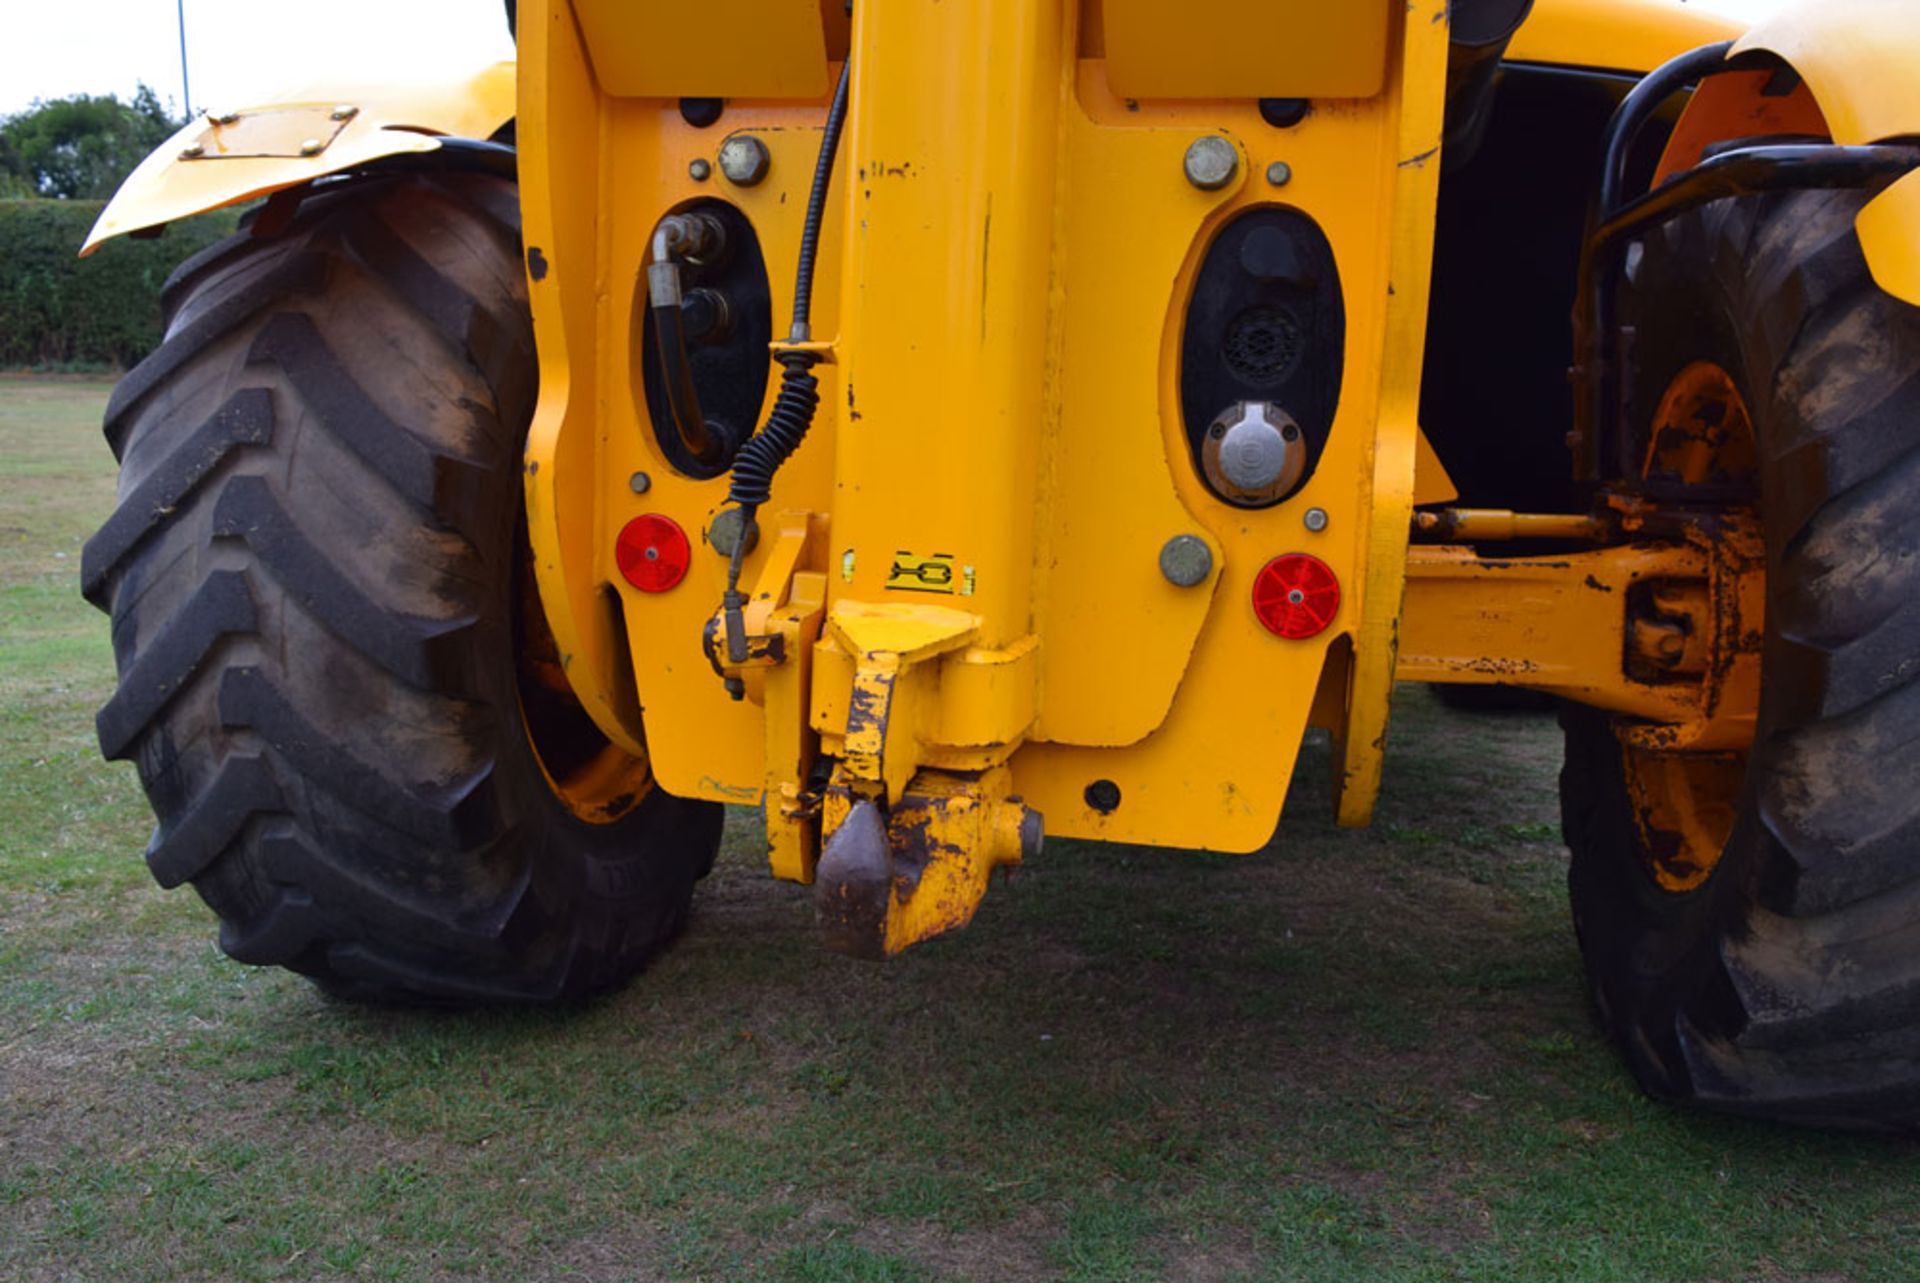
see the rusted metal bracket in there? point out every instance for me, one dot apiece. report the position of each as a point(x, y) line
point(783, 618)
point(890, 880)
point(1667, 632)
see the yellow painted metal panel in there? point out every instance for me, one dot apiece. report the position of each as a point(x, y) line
point(719, 48)
point(1047, 455)
point(1247, 48)
point(261, 150)
point(1618, 35)
point(563, 466)
point(1859, 59)
point(945, 289)
point(1889, 230)
point(1386, 505)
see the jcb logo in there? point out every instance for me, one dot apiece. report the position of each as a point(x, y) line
point(911, 573)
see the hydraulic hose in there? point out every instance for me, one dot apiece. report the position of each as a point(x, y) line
point(707, 441)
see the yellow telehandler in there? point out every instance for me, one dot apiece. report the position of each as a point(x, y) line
point(940, 425)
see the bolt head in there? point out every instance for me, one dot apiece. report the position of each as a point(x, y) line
point(699, 170)
point(744, 160)
point(1315, 519)
point(1186, 561)
point(640, 483)
point(1279, 173)
point(345, 111)
point(191, 151)
point(311, 147)
point(1211, 162)
point(227, 118)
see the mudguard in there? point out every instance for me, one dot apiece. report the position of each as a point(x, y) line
point(222, 159)
point(1856, 57)
point(1632, 36)
point(1859, 58)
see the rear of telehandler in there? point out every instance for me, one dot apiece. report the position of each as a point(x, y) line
point(957, 421)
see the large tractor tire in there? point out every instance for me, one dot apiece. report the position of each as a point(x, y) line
point(1778, 975)
point(334, 677)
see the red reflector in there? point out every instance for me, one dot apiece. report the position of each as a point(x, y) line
point(1296, 596)
point(652, 552)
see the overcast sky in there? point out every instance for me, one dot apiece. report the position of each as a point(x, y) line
point(239, 49)
point(236, 49)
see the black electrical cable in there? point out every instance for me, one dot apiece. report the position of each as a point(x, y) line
point(751, 483)
point(817, 204)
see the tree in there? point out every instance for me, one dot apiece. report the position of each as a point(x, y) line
point(79, 147)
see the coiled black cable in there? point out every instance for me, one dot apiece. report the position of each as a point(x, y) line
point(751, 481)
point(793, 408)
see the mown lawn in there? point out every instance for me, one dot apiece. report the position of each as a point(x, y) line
point(1354, 1056)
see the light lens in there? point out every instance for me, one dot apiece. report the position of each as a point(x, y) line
point(1296, 596)
point(653, 553)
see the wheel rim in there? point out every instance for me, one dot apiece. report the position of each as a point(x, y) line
point(1685, 804)
point(596, 780)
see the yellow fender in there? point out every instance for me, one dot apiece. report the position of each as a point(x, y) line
point(227, 157)
point(1617, 35)
point(1858, 58)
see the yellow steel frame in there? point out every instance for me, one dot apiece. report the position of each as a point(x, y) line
point(1009, 252)
point(1010, 249)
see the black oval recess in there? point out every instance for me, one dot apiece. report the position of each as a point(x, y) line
point(1266, 323)
point(730, 373)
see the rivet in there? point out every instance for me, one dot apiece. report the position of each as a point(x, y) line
point(640, 483)
point(227, 118)
point(345, 111)
point(744, 160)
point(192, 150)
point(1279, 173)
point(311, 147)
point(1211, 162)
point(1186, 560)
point(1315, 519)
point(700, 169)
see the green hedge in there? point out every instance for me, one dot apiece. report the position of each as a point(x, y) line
point(59, 311)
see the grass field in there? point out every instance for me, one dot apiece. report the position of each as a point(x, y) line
point(1358, 1055)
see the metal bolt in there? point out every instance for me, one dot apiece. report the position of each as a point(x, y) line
point(699, 170)
point(744, 160)
point(640, 483)
point(1211, 162)
point(345, 111)
point(192, 150)
point(311, 147)
point(725, 532)
point(1186, 560)
point(1279, 173)
point(1315, 519)
point(227, 118)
